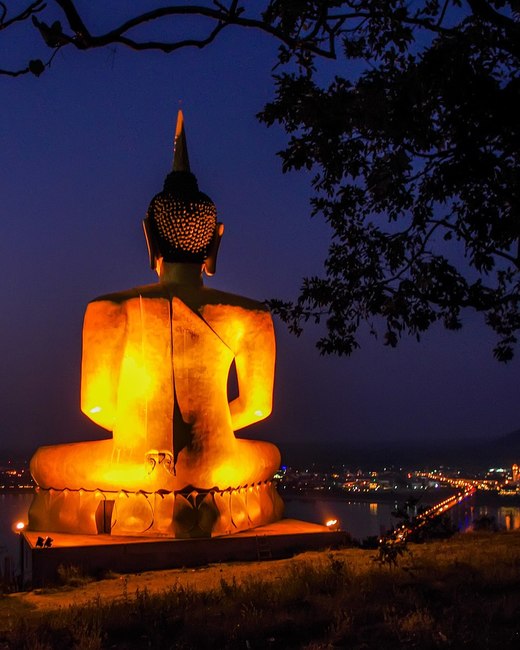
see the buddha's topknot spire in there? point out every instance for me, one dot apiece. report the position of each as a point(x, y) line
point(181, 161)
point(181, 220)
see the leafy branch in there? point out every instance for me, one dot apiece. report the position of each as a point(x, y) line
point(415, 153)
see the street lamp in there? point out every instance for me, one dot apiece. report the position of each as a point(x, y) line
point(18, 528)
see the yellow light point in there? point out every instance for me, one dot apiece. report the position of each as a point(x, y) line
point(19, 526)
point(95, 409)
point(331, 522)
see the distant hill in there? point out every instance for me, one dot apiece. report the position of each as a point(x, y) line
point(505, 448)
point(16, 456)
point(509, 440)
point(467, 454)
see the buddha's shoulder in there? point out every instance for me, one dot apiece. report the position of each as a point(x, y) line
point(121, 297)
point(199, 297)
point(214, 297)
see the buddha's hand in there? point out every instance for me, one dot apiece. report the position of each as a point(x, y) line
point(155, 458)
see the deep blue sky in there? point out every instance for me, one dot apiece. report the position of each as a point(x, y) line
point(85, 147)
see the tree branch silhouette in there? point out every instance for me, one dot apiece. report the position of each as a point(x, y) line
point(415, 148)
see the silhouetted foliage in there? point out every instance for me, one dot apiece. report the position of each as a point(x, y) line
point(485, 523)
point(438, 527)
point(417, 167)
point(370, 543)
point(390, 549)
point(413, 134)
point(414, 524)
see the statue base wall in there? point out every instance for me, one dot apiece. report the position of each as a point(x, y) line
point(95, 555)
point(184, 514)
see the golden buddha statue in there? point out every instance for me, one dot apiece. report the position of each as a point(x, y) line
point(155, 367)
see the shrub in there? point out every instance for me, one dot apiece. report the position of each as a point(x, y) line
point(72, 576)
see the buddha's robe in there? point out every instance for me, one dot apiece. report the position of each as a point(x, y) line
point(155, 370)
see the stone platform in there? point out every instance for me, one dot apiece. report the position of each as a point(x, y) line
point(96, 554)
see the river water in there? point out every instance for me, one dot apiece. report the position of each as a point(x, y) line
point(360, 518)
point(365, 519)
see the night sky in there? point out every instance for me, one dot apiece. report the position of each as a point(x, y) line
point(86, 146)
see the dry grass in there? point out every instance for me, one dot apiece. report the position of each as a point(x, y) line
point(461, 593)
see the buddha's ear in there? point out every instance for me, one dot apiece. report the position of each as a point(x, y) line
point(210, 263)
point(153, 251)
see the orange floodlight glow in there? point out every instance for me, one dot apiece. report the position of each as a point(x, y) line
point(19, 526)
point(154, 373)
point(146, 358)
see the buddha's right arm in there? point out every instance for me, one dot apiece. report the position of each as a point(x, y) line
point(103, 345)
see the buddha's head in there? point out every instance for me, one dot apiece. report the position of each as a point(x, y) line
point(181, 222)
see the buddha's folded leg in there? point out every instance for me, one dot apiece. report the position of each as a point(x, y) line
point(246, 462)
point(260, 457)
point(73, 466)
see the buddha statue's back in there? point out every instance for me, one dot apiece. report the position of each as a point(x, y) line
point(155, 368)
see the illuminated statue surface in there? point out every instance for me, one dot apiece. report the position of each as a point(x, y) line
point(155, 367)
